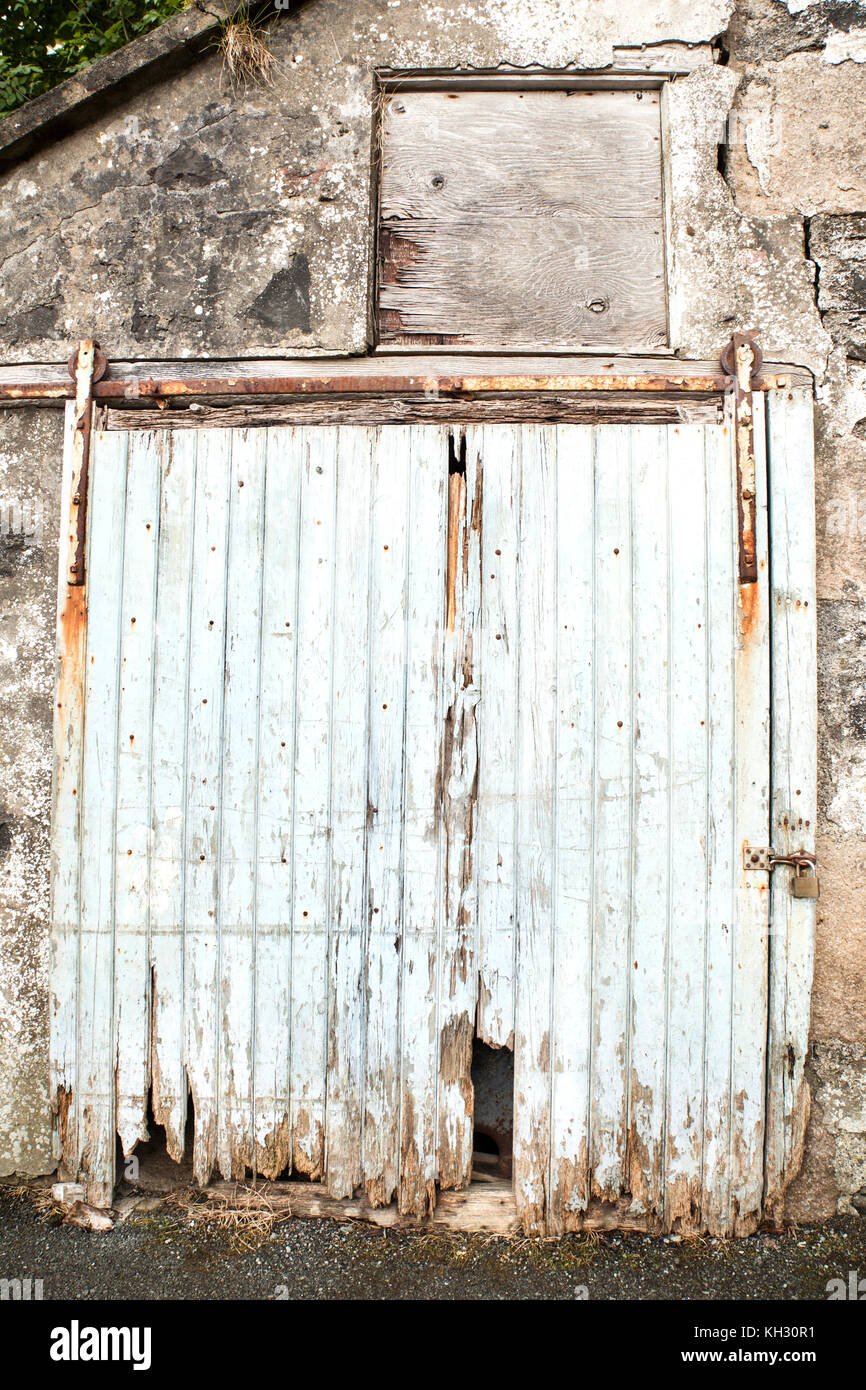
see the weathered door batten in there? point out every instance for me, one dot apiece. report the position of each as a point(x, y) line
point(333, 797)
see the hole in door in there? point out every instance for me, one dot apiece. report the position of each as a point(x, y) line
point(493, 1087)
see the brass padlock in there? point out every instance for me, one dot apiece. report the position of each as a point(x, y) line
point(803, 884)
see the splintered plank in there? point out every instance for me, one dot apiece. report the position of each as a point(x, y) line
point(612, 859)
point(389, 558)
point(177, 527)
point(536, 825)
point(422, 886)
point(459, 786)
point(722, 851)
point(499, 655)
point(132, 868)
point(653, 703)
point(312, 793)
point(751, 925)
point(687, 774)
point(501, 225)
point(572, 1005)
point(792, 548)
point(66, 822)
point(349, 812)
point(275, 835)
point(105, 528)
point(238, 830)
point(206, 672)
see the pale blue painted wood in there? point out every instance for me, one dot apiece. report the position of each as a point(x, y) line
point(302, 695)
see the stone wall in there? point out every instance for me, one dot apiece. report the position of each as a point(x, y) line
point(194, 220)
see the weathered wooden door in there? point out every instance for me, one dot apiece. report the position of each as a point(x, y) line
point(377, 741)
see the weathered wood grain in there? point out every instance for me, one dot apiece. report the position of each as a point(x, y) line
point(240, 797)
point(653, 686)
point(501, 226)
point(385, 801)
point(311, 809)
point(723, 852)
point(132, 861)
point(536, 825)
point(751, 922)
point(96, 980)
point(276, 801)
point(169, 764)
point(571, 1023)
point(499, 660)
point(422, 822)
point(66, 801)
point(689, 809)
point(611, 883)
point(349, 903)
point(457, 966)
point(794, 781)
point(610, 407)
point(204, 770)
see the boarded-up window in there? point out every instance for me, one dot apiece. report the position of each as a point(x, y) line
point(522, 220)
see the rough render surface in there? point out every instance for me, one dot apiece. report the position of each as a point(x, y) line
point(30, 445)
point(796, 153)
point(197, 221)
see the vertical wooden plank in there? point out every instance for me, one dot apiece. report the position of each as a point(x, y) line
point(422, 887)
point(239, 786)
point(537, 825)
point(132, 870)
point(721, 850)
point(612, 970)
point(311, 852)
point(385, 797)
point(97, 1056)
point(177, 527)
point(687, 845)
point(459, 788)
point(355, 449)
point(572, 1009)
point(750, 947)
point(794, 775)
point(71, 642)
point(274, 914)
point(202, 964)
point(497, 733)
point(652, 681)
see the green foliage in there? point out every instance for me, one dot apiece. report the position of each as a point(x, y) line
point(42, 42)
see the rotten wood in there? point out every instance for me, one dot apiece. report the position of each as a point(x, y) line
point(487, 1208)
point(84, 364)
point(590, 408)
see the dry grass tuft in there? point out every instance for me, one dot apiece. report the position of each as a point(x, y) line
point(247, 1227)
point(246, 56)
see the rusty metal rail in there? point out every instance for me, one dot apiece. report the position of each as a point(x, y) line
point(404, 375)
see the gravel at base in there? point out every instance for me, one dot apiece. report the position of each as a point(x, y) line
point(158, 1256)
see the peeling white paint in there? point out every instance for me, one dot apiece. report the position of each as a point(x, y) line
point(842, 47)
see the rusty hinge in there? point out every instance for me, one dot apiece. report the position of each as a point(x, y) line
point(804, 884)
point(86, 365)
point(740, 362)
